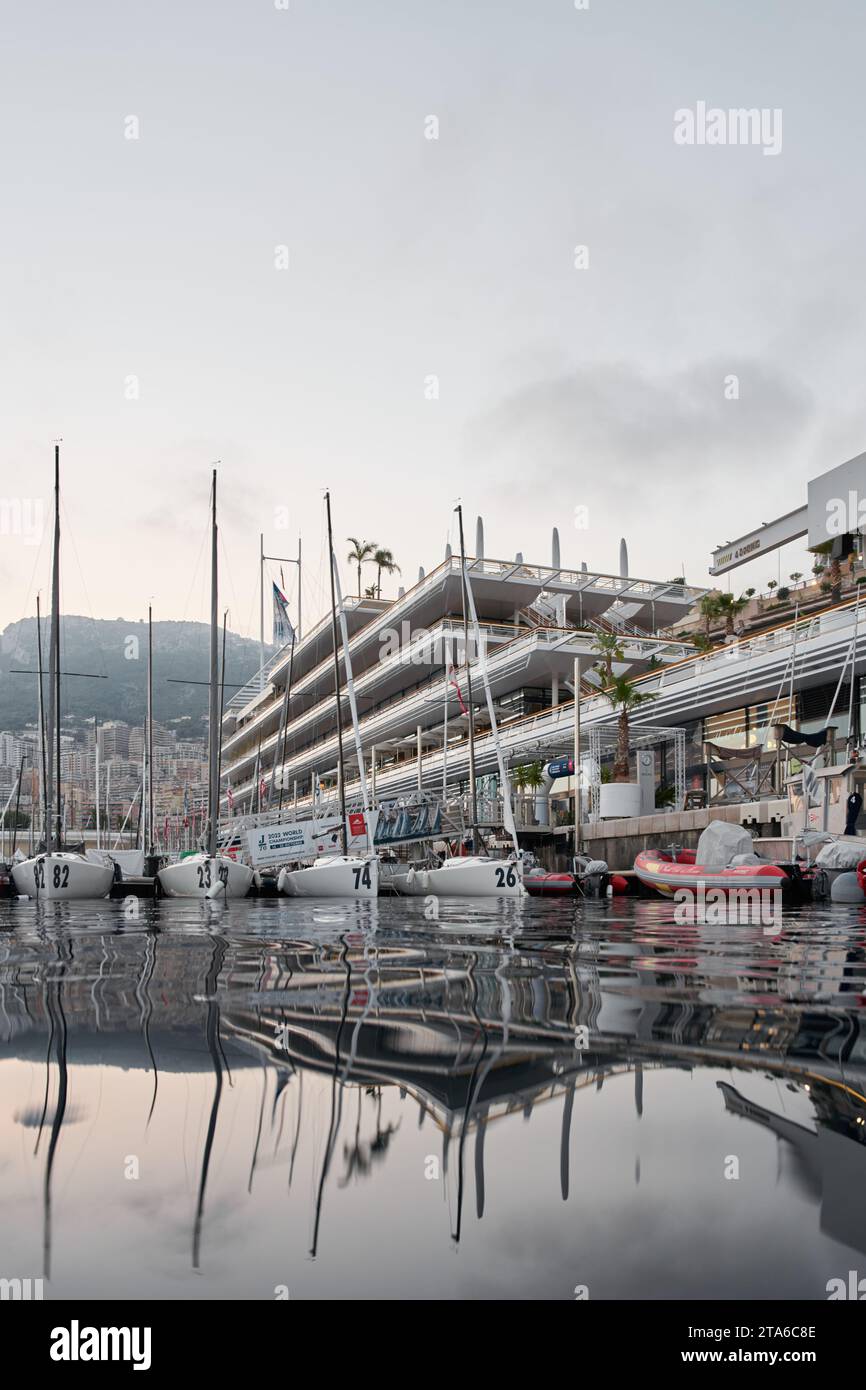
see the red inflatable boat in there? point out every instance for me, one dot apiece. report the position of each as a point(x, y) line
point(543, 884)
point(667, 873)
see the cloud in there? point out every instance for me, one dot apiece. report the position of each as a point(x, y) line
point(611, 424)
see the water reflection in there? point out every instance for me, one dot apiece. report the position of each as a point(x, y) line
point(302, 1090)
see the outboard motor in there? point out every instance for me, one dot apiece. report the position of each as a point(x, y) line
point(592, 875)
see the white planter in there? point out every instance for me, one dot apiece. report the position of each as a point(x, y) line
point(619, 800)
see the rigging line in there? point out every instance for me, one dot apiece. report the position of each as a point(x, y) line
point(70, 536)
point(227, 571)
point(36, 563)
point(204, 535)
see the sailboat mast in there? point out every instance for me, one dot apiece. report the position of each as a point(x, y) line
point(213, 708)
point(42, 771)
point(96, 776)
point(472, 788)
point(54, 833)
point(262, 608)
point(340, 765)
point(149, 841)
point(353, 704)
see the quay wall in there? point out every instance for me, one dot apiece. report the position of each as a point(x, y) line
point(619, 841)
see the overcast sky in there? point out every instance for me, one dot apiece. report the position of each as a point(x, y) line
point(150, 265)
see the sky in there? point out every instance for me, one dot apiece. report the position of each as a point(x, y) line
point(334, 245)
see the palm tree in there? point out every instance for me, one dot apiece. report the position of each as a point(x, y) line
point(728, 607)
point(624, 697)
point(361, 552)
point(835, 572)
point(384, 560)
point(609, 647)
point(709, 609)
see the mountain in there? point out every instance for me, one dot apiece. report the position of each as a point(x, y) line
point(118, 649)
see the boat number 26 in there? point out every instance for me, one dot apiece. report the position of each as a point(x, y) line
point(506, 878)
point(362, 877)
point(59, 875)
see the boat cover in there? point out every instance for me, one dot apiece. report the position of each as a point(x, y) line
point(720, 843)
point(844, 853)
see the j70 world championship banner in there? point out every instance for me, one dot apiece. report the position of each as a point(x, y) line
point(291, 840)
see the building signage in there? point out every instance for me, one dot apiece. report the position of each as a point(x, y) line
point(758, 542)
point(837, 502)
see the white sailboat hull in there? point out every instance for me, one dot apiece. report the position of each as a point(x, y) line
point(474, 876)
point(206, 876)
point(333, 877)
point(62, 877)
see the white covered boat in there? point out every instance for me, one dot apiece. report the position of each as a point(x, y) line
point(206, 876)
point(333, 876)
point(61, 876)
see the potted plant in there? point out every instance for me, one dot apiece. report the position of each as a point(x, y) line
point(620, 798)
point(834, 574)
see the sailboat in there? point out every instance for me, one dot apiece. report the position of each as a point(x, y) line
point(340, 875)
point(209, 874)
point(474, 875)
point(56, 873)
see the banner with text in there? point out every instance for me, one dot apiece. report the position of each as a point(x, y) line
point(291, 840)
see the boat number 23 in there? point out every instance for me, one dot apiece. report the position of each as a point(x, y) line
point(506, 878)
point(204, 874)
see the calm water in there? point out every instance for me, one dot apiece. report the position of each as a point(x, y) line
point(351, 1101)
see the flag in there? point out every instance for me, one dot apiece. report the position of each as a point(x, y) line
point(230, 798)
point(261, 789)
point(283, 630)
point(452, 680)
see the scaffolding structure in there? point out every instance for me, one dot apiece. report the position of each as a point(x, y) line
point(642, 737)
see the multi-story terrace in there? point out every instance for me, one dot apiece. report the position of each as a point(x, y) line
point(410, 674)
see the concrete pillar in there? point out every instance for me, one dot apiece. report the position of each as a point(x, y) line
point(554, 549)
point(479, 539)
point(420, 749)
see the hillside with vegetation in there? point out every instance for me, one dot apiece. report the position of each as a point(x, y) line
point(117, 649)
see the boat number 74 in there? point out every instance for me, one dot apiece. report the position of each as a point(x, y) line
point(362, 876)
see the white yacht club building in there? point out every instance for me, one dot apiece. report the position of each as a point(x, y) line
point(540, 624)
point(410, 677)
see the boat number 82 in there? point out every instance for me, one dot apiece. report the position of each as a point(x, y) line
point(59, 876)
